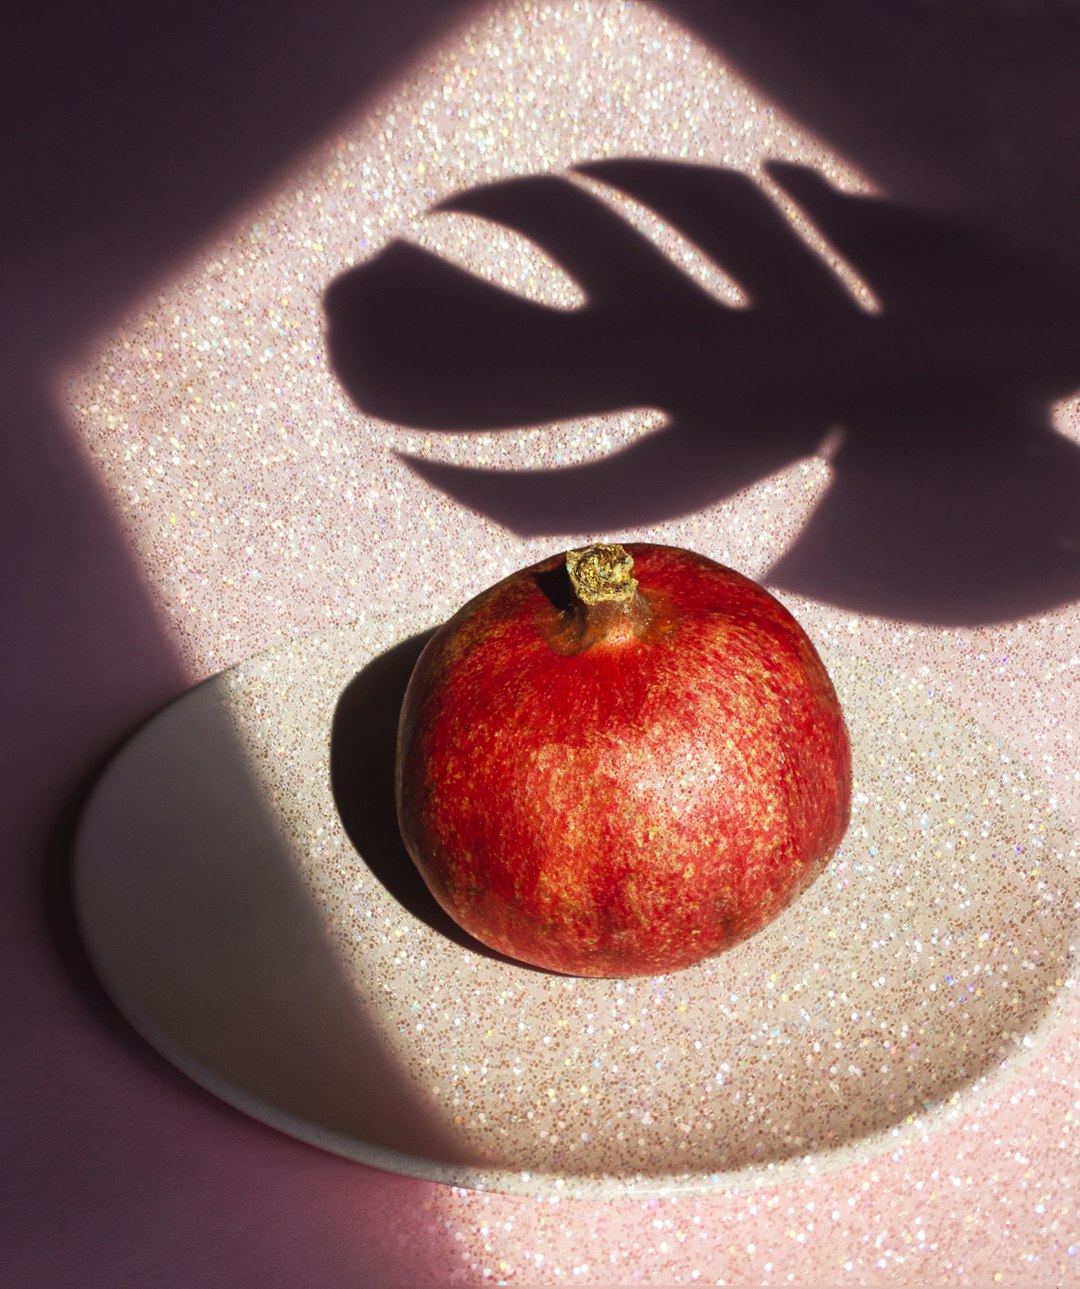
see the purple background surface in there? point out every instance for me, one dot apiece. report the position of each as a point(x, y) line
point(131, 132)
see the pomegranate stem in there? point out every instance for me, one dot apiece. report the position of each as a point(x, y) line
point(602, 573)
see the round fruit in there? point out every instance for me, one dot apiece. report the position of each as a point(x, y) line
point(620, 761)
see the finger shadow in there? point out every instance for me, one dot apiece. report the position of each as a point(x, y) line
point(423, 343)
point(953, 498)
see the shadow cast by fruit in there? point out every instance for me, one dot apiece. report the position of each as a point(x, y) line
point(362, 750)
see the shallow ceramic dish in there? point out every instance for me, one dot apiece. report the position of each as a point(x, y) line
point(247, 903)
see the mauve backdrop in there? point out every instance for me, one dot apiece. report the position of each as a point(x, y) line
point(132, 135)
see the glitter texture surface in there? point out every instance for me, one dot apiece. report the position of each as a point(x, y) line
point(923, 1064)
point(890, 995)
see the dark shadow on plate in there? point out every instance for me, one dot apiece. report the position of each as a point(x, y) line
point(363, 744)
point(196, 915)
point(953, 499)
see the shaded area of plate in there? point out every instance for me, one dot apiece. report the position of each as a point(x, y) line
point(310, 981)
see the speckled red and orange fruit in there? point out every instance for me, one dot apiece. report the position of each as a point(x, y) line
point(634, 807)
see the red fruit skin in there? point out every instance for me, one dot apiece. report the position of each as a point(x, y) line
point(634, 807)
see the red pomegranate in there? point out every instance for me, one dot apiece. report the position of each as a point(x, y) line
point(620, 761)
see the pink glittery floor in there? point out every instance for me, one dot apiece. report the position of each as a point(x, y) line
point(923, 519)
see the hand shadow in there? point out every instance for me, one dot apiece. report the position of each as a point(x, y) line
point(952, 500)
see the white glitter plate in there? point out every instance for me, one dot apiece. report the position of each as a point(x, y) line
point(239, 929)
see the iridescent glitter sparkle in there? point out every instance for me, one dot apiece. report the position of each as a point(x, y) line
point(886, 1088)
